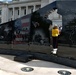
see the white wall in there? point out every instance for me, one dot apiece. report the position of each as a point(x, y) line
point(4, 14)
point(28, 0)
point(58, 22)
point(8, 15)
point(22, 11)
point(50, 1)
point(44, 2)
point(16, 13)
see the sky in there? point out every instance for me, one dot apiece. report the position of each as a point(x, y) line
point(5, 0)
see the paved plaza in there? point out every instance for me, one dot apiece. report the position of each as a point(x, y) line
point(10, 67)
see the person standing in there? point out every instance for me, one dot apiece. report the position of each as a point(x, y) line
point(55, 34)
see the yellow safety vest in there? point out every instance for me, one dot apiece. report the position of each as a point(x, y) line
point(55, 32)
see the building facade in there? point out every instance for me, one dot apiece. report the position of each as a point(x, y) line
point(18, 8)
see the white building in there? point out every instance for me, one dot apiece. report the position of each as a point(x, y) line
point(18, 8)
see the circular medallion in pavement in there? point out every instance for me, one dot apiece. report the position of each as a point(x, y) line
point(27, 69)
point(64, 72)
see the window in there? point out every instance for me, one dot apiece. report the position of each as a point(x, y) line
point(24, 11)
point(0, 20)
point(38, 7)
point(30, 8)
point(12, 12)
point(18, 12)
point(0, 12)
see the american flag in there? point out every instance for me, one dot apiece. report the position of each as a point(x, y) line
point(25, 21)
point(25, 24)
point(22, 22)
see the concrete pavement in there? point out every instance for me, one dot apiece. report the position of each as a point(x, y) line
point(10, 67)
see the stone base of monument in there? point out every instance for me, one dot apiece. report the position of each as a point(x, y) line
point(23, 58)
